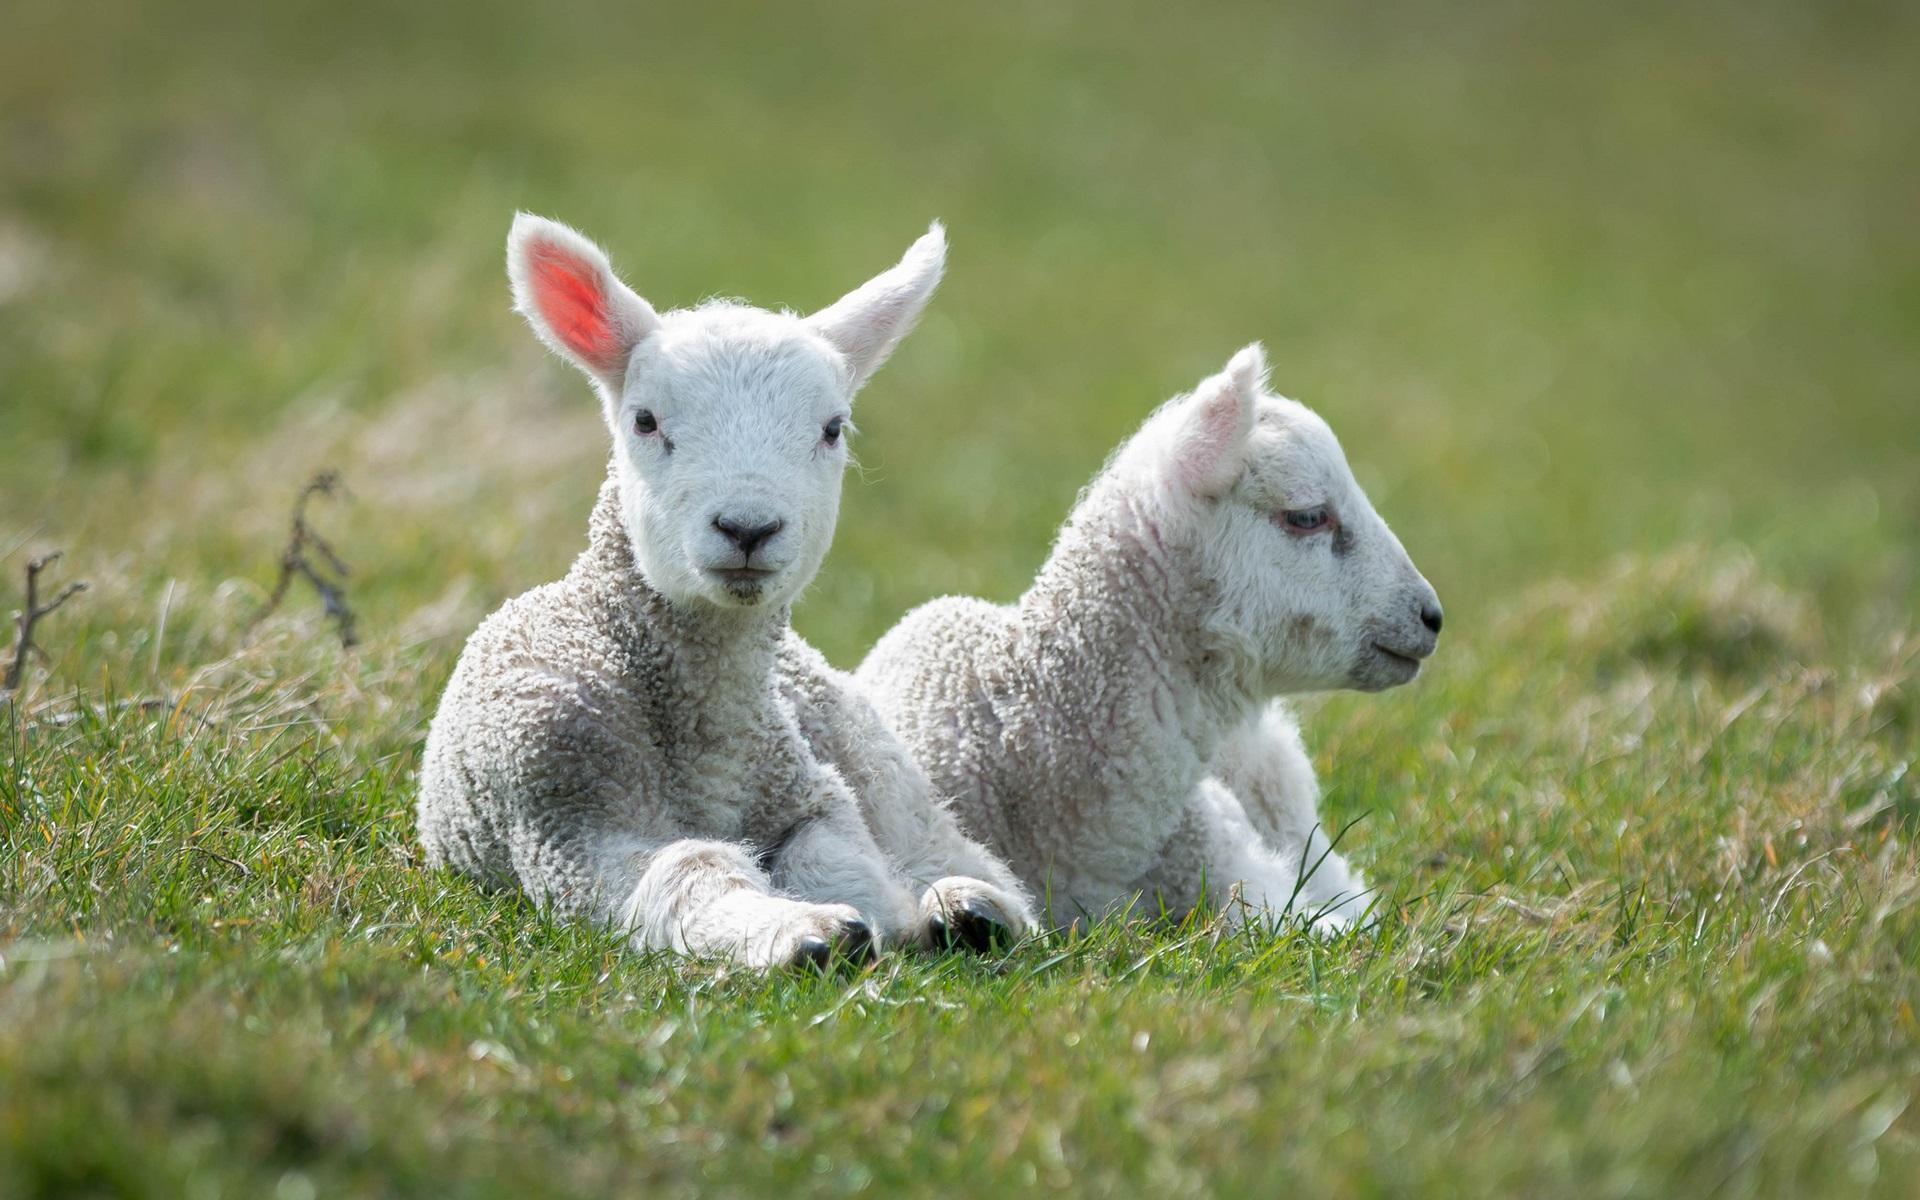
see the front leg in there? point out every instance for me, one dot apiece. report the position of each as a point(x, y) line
point(968, 896)
point(831, 859)
point(711, 899)
point(1216, 858)
point(1266, 765)
point(974, 900)
point(1266, 769)
point(1305, 877)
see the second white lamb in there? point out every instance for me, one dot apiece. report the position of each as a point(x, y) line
point(1117, 735)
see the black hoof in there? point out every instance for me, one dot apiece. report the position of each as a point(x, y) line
point(856, 942)
point(974, 925)
point(981, 928)
point(813, 952)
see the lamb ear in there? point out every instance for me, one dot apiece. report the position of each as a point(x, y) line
point(566, 289)
point(1210, 443)
point(868, 322)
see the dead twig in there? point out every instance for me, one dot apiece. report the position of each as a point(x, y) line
point(25, 619)
point(235, 863)
point(304, 545)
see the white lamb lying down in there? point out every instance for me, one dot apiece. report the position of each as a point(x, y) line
point(1116, 734)
point(647, 742)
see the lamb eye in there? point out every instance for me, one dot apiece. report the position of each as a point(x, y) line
point(831, 430)
point(645, 423)
point(1305, 520)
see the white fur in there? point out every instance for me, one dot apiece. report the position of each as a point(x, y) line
point(646, 741)
point(1115, 733)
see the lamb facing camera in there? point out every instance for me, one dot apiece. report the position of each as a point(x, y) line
point(646, 742)
point(1117, 733)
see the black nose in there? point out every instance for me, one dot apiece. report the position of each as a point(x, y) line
point(1430, 615)
point(747, 537)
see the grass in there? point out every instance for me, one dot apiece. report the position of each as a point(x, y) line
point(1614, 309)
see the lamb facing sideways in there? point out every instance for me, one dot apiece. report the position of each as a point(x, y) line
point(1116, 733)
point(646, 742)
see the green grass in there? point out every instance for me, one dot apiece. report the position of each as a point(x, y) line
point(1614, 306)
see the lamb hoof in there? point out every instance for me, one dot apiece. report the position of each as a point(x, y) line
point(852, 943)
point(815, 952)
point(973, 924)
point(856, 942)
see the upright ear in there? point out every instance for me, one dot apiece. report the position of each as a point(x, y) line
point(566, 289)
point(868, 322)
point(1210, 442)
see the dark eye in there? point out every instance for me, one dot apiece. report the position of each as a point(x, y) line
point(831, 430)
point(644, 422)
point(1305, 520)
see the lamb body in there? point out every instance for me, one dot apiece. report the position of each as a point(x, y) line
point(646, 742)
point(1117, 732)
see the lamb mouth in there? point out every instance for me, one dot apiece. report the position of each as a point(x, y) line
point(743, 582)
point(1394, 656)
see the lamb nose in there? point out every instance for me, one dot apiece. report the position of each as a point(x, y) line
point(746, 536)
point(1430, 615)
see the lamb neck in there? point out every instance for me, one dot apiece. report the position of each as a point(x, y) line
point(717, 664)
point(1116, 622)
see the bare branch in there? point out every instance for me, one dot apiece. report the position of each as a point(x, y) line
point(26, 618)
point(304, 543)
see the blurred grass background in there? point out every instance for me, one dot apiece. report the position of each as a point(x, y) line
point(1569, 281)
point(1616, 308)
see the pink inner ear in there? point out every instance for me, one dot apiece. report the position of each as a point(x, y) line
point(569, 295)
point(1211, 439)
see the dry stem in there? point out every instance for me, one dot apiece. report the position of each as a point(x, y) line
point(25, 619)
point(295, 561)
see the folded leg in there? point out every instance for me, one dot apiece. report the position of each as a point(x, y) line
point(586, 838)
point(1265, 769)
point(1305, 878)
point(966, 893)
point(833, 859)
point(711, 899)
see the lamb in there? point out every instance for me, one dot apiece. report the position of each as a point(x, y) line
point(1118, 732)
point(646, 742)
